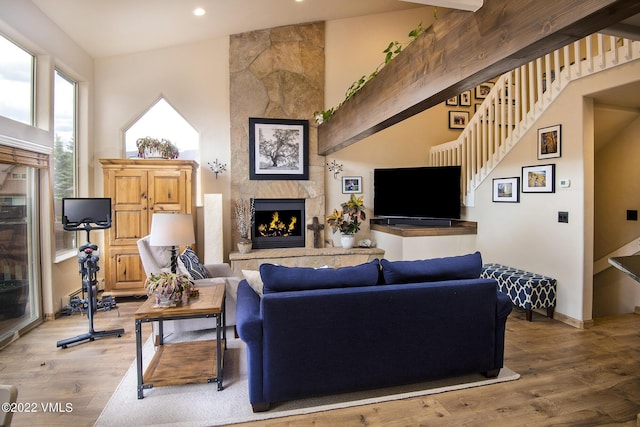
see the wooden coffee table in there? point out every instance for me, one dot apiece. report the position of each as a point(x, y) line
point(183, 362)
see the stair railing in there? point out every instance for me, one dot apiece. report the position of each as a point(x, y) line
point(518, 98)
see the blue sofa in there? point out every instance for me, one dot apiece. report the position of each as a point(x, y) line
point(325, 331)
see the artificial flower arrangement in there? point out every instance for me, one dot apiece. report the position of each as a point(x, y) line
point(163, 147)
point(170, 287)
point(347, 220)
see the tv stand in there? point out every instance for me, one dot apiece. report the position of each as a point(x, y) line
point(420, 222)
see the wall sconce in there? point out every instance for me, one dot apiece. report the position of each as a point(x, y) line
point(334, 167)
point(217, 167)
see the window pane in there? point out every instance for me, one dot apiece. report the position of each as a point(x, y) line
point(64, 155)
point(16, 82)
point(19, 302)
point(163, 121)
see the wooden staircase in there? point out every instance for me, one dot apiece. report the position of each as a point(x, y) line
point(519, 98)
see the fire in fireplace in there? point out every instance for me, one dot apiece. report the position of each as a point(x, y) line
point(278, 223)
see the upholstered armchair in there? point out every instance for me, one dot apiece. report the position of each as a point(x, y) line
point(157, 259)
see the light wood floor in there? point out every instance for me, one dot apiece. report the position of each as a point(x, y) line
point(569, 377)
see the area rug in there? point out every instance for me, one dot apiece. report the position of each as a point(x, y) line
point(203, 405)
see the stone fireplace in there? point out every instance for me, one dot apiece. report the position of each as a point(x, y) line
point(277, 73)
point(278, 223)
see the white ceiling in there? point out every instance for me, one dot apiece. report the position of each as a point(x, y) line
point(114, 27)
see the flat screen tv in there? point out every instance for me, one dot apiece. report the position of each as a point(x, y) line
point(417, 193)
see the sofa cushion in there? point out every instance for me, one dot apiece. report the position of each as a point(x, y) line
point(277, 278)
point(431, 270)
point(193, 265)
point(254, 280)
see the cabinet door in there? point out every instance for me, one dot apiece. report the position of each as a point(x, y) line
point(125, 273)
point(167, 191)
point(128, 192)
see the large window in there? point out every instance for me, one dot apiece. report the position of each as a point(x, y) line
point(19, 283)
point(64, 155)
point(16, 82)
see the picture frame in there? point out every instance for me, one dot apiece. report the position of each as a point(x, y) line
point(483, 89)
point(550, 142)
point(351, 184)
point(452, 101)
point(506, 190)
point(278, 149)
point(465, 98)
point(458, 119)
point(539, 179)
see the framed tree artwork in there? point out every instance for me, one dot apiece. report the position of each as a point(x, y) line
point(278, 149)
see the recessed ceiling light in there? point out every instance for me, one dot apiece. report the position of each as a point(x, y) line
point(198, 11)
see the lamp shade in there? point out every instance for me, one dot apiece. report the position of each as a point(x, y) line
point(171, 230)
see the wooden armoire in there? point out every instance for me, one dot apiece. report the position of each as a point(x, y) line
point(138, 188)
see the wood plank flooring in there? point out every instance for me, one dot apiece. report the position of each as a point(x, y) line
point(570, 377)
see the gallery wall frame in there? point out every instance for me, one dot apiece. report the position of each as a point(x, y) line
point(506, 190)
point(278, 149)
point(452, 101)
point(351, 184)
point(539, 179)
point(458, 119)
point(550, 142)
point(483, 89)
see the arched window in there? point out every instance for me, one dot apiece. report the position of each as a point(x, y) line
point(163, 121)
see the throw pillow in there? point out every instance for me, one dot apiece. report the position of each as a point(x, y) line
point(432, 270)
point(277, 278)
point(162, 256)
point(193, 265)
point(254, 280)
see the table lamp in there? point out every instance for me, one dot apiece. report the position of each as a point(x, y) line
point(172, 230)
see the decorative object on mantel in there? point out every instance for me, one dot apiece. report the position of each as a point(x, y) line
point(347, 220)
point(334, 167)
point(169, 288)
point(244, 210)
point(153, 148)
point(316, 227)
point(217, 167)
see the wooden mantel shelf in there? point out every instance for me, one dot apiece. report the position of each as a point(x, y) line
point(458, 228)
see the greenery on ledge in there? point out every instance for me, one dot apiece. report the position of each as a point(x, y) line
point(392, 50)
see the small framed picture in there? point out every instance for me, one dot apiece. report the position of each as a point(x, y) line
point(506, 190)
point(482, 90)
point(351, 184)
point(539, 179)
point(458, 119)
point(465, 98)
point(452, 101)
point(549, 142)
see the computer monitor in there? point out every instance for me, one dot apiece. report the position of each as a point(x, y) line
point(86, 211)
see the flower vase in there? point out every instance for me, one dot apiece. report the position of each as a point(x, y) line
point(244, 246)
point(347, 240)
point(164, 301)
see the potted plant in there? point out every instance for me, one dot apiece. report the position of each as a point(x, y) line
point(244, 210)
point(169, 288)
point(149, 147)
point(347, 219)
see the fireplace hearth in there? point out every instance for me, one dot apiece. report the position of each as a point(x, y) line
point(278, 223)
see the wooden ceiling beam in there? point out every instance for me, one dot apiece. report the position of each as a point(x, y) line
point(461, 50)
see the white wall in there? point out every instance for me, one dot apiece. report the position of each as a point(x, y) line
point(527, 234)
point(194, 79)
